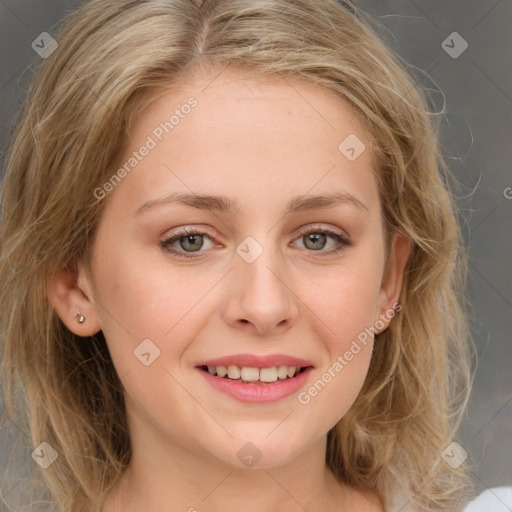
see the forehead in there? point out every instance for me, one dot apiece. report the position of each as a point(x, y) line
point(246, 96)
point(248, 134)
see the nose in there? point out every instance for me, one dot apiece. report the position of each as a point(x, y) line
point(261, 301)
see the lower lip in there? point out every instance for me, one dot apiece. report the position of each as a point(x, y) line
point(257, 393)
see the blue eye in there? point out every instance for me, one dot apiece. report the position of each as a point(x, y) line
point(191, 241)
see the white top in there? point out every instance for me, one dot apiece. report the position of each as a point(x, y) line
point(496, 499)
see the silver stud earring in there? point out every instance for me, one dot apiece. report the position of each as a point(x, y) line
point(80, 318)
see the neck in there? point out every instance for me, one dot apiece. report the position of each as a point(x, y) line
point(179, 479)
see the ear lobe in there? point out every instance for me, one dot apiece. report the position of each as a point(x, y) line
point(68, 299)
point(393, 276)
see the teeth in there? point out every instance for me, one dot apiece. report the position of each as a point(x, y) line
point(282, 372)
point(233, 372)
point(268, 374)
point(250, 374)
point(221, 371)
point(253, 374)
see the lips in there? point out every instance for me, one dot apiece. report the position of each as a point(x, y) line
point(255, 369)
point(256, 361)
point(256, 379)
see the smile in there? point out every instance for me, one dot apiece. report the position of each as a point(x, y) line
point(254, 375)
point(255, 379)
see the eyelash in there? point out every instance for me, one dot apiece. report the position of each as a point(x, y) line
point(341, 241)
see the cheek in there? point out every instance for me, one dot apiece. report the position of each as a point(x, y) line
point(143, 300)
point(147, 321)
point(335, 389)
point(347, 310)
point(346, 301)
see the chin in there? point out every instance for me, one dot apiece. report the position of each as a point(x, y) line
point(261, 453)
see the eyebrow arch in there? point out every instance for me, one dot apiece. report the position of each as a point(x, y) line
point(224, 204)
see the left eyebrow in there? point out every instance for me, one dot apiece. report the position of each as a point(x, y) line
point(224, 204)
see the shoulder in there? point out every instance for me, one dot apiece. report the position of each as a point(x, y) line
point(496, 499)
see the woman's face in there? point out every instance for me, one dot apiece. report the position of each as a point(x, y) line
point(253, 289)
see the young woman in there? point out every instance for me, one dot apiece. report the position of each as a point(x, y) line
point(231, 267)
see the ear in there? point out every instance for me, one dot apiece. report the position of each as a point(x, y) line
point(69, 291)
point(392, 279)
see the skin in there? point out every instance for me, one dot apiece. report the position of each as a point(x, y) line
point(259, 141)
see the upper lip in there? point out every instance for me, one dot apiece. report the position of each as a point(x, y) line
point(250, 360)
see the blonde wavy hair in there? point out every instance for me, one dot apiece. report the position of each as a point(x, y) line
point(113, 59)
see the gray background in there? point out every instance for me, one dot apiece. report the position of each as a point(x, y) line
point(476, 136)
